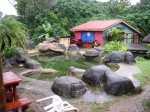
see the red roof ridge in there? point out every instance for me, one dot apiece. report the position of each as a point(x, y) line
point(100, 25)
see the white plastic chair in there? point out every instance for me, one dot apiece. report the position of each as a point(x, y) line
point(57, 105)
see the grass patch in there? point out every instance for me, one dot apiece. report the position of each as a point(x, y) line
point(147, 105)
point(93, 106)
point(144, 76)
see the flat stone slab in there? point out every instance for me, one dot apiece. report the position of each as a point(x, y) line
point(91, 54)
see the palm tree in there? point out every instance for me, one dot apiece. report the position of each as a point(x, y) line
point(11, 32)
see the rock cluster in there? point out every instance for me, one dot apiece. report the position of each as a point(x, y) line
point(20, 59)
point(114, 84)
point(55, 47)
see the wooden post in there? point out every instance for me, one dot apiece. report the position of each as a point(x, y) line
point(2, 91)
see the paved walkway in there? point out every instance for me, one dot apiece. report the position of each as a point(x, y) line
point(132, 103)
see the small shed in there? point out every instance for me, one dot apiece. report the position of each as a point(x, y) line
point(97, 30)
point(64, 40)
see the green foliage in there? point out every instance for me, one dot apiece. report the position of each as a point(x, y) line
point(117, 7)
point(115, 46)
point(65, 14)
point(9, 50)
point(12, 33)
point(47, 28)
point(114, 34)
point(144, 75)
point(138, 16)
point(138, 58)
point(148, 52)
point(61, 14)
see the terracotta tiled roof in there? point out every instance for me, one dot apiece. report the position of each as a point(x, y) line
point(100, 25)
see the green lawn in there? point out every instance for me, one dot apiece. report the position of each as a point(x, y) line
point(144, 76)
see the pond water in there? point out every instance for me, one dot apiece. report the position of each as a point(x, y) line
point(61, 63)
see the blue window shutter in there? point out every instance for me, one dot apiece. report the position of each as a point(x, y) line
point(87, 36)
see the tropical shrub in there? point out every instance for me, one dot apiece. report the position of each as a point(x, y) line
point(115, 46)
point(12, 33)
point(7, 51)
point(115, 34)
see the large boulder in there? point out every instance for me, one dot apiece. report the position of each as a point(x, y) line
point(118, 85)
point(119, 57)
point(129, 58)
point(11, 59)
point(115, 57)
point(15, 59)
point(31, 64)
point(31, 43)
point(56, 47)
point(43, 47)
point(73, 49)
point(95, 75)
point(147, 39)
point(137, 85)
point(20, 58)
point(67, 86)
point(6, 65)
point(52, 39)
point(91, 54)
point(75, 72)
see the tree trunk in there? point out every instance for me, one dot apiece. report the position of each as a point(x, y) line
point(2, 91)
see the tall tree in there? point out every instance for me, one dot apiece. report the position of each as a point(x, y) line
point(139, 16)
point(117, 7)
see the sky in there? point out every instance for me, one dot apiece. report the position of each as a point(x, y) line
point(7, 8)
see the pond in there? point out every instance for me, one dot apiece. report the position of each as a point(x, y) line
point(61, 63)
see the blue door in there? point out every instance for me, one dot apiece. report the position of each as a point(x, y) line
point(87, 36)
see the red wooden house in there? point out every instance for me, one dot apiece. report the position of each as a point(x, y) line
point(97, 30)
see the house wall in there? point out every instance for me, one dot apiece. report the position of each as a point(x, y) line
point(97, 36)
point(77, 35)
point(127, 30)
point(104, 37)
